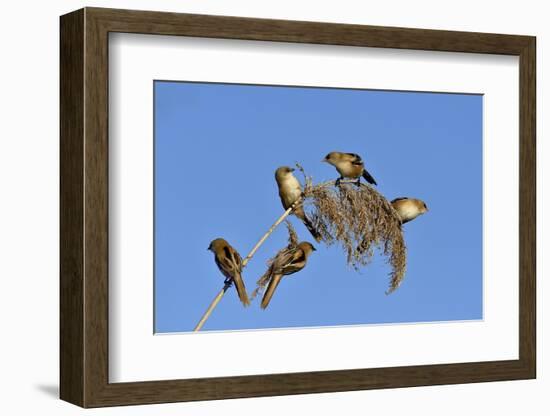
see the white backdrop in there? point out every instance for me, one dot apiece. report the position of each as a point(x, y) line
point(29, 209)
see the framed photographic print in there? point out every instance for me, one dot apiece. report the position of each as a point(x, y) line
point(255, 207)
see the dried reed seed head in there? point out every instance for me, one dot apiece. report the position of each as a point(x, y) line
point(361, 220)
point(292, 235)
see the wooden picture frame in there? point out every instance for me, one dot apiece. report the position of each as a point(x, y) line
point(84, 207)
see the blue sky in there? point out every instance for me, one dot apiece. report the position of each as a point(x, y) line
point(216, 149)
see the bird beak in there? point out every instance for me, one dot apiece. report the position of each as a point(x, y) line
point(313, 247)
point(324, 160)
point(292, 169)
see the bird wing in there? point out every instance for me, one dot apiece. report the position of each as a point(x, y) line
point(294, 262)
point(237, 259)
point(354, 158)
point(233, 262)
point(282, 258)
point(401, 198)
point(228, 263)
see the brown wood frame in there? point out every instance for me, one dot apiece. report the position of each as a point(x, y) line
point(84, 207)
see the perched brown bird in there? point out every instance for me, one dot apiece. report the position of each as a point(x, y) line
point(349, 165)
point(409, 208)
point(229, 262)
point(288, 261)
point(290, 191)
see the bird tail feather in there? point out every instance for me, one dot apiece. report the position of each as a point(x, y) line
point(311, 228)
point(300, 213)
point(241, 290)
point(368, 177)
point(274, 282)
